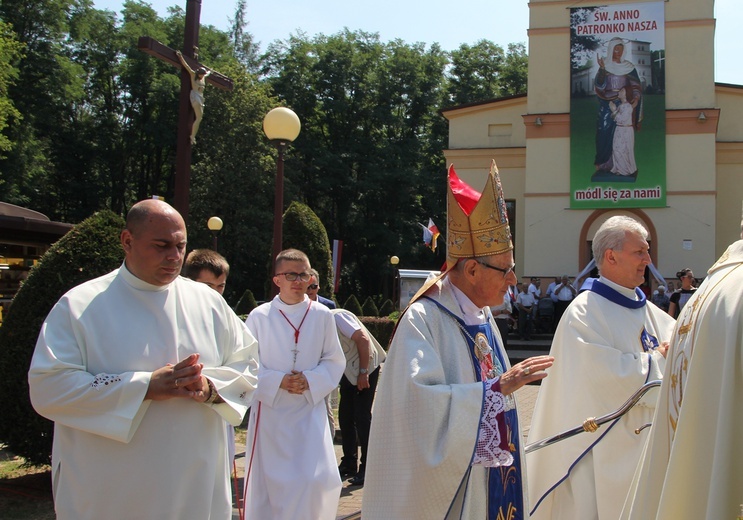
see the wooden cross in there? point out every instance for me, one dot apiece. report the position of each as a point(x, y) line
point(185, 112)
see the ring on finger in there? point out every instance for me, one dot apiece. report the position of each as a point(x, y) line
point(176, 383)
point(527, 371)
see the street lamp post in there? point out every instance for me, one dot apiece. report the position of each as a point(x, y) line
point(215, 226)
point(395, 282)
point(281, 126)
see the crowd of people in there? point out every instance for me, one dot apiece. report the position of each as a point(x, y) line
point(146, 372)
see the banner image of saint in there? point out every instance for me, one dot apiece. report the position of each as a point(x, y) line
point(617, 106)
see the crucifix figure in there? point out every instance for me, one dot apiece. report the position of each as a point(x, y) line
point(198, 84)
point(188, 124)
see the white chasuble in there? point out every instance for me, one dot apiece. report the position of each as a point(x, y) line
point(289, 452)
point(693, 462)
point(426, 421)
point(116, 455)
point(604, 351)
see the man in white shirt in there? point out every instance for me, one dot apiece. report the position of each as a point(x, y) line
point(562, 295)
point(527, 305)
point(139, 369)
point(502, 315)
point(358, 385)
point(534, 288)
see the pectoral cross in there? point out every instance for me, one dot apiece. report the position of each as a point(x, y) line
point(185, 112)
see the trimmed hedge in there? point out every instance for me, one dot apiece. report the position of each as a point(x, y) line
point(89, 250)
point(352, 304)
point(246, 304)
point(304, 230)
point(386, 308)
point(381, 328)
point(369, 308)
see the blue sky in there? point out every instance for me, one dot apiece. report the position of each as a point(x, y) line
point(446, 22)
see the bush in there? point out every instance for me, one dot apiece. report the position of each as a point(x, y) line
point(369, 308)
point(380, 328)
point(386, 308)
point(303, 230)
point(88, 250)
point(246, 304)
point(352, 304)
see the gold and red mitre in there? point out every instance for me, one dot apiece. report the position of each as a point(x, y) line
point(477, 224)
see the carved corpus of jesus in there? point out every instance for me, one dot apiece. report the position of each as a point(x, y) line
point(198, 83)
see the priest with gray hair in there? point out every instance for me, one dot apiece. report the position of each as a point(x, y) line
point(609, 342)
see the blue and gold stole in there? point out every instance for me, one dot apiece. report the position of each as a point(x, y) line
point(505, 484)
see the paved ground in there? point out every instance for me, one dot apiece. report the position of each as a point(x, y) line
point(351, 496)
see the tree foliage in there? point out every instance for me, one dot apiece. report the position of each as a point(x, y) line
point(11, 51)
point(484, 71)
point(96, 126)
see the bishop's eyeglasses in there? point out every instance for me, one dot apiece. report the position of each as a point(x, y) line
point(505, 272)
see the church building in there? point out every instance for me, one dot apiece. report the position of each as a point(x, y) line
point(622, 116)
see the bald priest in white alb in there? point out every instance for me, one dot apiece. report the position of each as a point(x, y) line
point(139, 370)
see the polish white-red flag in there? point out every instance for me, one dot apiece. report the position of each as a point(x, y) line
point(430, 234)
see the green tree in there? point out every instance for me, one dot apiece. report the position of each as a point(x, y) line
point(45, 86)
point(581, 45)
point(515, 70)
point(246, 51)
point(368, 159)
point(11, 51)
point(476, 72)
point(89, 250)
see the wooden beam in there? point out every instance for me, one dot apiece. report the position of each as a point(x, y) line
point(154, 48)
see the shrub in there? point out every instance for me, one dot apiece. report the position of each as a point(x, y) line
point(352, 304)
point(88, 250)
point(303, 230)
point(386, 308)
point(380, 328)
point(246, 304)
point(369, 308)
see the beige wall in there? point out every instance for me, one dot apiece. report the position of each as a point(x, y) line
point(481, 127)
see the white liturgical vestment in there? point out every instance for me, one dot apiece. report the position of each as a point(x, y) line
point(291, 471)
point(116, 455)
point(604, 351)
point(427, 416)
point(693, 463)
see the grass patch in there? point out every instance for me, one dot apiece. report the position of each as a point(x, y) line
point(25, 491)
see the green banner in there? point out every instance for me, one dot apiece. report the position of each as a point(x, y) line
point(617, 106)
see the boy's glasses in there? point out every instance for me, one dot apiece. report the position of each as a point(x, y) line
point(291, 276)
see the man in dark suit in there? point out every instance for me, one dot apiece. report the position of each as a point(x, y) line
point(314, 287)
